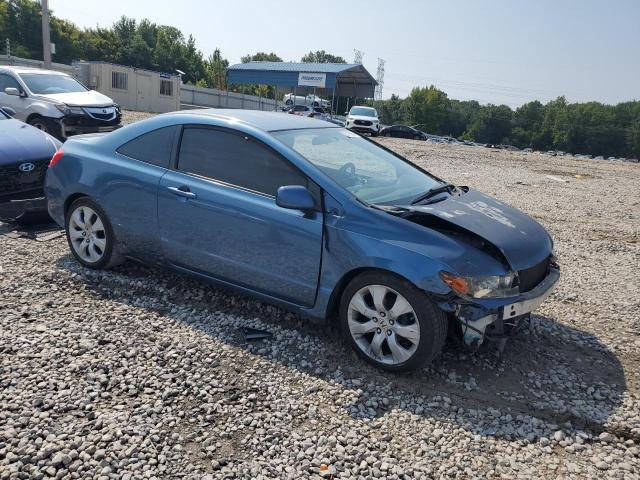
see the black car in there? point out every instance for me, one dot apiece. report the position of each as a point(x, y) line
point(403, 131)
point(25, 152)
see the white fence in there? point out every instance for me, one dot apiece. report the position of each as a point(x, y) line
point(192, 96)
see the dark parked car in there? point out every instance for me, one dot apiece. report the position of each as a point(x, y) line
point(403, 131)
point(308, 215)
point(25, 152)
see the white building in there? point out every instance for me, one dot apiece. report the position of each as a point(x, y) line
point(131, 88)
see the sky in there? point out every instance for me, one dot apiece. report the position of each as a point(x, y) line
point(494, 51)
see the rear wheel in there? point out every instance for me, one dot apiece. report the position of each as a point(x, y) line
point(90, 235)
point(288, 102)
point(390, 323)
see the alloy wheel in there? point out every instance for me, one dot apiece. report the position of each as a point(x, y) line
point(383, 324)
point(87, 234)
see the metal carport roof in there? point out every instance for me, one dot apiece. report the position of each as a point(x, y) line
point(349, 79)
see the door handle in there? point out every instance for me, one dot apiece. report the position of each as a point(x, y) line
point(182, 191)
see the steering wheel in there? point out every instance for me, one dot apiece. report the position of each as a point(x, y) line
point(348, 168)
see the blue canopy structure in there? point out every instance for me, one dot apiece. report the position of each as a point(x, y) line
point(343, 79)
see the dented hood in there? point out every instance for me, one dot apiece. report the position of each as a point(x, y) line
point(522, 240)
point(90, 98)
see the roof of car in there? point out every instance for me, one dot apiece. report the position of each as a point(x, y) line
point(29, 70)
point(267, 121)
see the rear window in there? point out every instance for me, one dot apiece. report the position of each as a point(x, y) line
point(153, 147)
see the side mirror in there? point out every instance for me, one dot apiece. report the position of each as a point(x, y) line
point(12, 91)
point(346, 113)
point(295, 197)
point(9, 111)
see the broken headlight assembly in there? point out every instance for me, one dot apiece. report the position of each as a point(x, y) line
point(67, 110)
point(489, 286)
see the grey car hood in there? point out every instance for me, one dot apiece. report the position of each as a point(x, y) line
point(522, 240)
point(89, 98)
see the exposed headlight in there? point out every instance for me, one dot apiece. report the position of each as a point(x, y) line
point(490, 286)
point(67, 110)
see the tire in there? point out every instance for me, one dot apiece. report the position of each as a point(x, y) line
point(83, 218)
point(374, 134)
point(47, 125)
point(288, 102)
point(423, 323)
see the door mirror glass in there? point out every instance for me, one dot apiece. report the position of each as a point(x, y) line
point(295, 197)
point(12, 91)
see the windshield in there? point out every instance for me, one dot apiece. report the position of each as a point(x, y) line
point(369, 172)
point(43, 84)
point(363, 111)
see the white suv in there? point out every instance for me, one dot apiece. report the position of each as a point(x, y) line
point(56, 103)
point(363, 120)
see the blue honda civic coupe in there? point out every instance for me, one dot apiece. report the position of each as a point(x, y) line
point(310, 216)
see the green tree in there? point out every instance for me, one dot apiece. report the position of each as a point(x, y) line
point(491, 125)
point(261, 57)
point(216, 70)
point(428, 108)
point(321, 56)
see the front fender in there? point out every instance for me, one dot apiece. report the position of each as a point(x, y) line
point(345, 252)
point(43, 108)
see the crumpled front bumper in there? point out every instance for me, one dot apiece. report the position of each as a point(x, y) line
point(490, 318)
point(12, 210)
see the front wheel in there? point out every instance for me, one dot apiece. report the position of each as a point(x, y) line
point(47, 125)
point(390, 323)
point(90, 235)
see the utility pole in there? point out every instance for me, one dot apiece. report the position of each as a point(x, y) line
point(46, 36)
point(380, 80)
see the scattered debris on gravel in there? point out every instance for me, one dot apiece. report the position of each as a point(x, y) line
point(143, 373)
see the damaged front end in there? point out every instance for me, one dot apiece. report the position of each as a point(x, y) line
point(507, 269)
point(496, 319)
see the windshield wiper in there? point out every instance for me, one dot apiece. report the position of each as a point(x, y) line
point(434, 191)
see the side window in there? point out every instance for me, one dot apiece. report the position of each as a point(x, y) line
point(119, 80)
point(7, 81)
point(235, 159)
point(153, 147)
point(166, 87)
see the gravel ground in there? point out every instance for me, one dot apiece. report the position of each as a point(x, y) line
point(142, 373)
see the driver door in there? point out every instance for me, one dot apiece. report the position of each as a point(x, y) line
point(218, 216)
